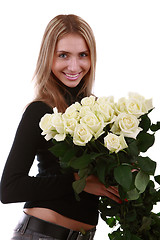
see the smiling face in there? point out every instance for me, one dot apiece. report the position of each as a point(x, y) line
point(71, 61)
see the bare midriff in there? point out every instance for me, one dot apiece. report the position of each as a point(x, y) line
point(54, 217)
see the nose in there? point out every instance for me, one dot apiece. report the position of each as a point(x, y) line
point(73, 65)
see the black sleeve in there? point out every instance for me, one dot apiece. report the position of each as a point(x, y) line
point(16, 184)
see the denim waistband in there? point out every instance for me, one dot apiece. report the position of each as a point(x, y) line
point(50, 229)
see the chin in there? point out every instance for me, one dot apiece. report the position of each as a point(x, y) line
point(71, 84)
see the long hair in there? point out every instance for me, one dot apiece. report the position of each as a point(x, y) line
point(46, 86)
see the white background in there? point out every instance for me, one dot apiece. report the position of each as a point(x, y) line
point(128, 46)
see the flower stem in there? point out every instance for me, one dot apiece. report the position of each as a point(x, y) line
point(118, 158)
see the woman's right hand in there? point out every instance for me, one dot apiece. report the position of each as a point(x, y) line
point(94, 186)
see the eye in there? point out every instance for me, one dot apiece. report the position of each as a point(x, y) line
point(63, 55)
point(83, 54)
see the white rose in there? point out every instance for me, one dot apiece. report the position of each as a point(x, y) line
point(115, 143)
point(104, 110)
point(93, 123)
point(127, 125)
point(146, 104)
point(82, 135)
point(135, 107)
point(120, 106)
point(46, 123)
point(77, 106)
point(84, 110)
point(70, 125)
point(57, 122)
point(47, 127)
point(72, 112)
point(102, 100)
point(149, 104)
point(88, 101)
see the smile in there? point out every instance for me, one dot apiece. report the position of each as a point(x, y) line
point(72, 76)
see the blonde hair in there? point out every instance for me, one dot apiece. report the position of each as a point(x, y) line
point(46, 85)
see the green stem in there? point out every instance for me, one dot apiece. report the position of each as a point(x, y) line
point(118, 158)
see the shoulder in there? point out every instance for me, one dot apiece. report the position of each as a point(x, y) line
point(38, 107)
point(35, 110)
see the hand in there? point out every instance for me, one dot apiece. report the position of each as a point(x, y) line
point(94, 186)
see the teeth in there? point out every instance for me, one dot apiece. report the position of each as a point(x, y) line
point(73, 76)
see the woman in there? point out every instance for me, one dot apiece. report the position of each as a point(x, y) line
point(64, 74)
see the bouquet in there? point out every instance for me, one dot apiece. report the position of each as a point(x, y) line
point(108, 139)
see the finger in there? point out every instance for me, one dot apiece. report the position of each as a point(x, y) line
point(113, 197)
point(113, 190)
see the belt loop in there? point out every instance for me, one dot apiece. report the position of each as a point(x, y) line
point(25, 224)
point(70, 234)
point(80, 236)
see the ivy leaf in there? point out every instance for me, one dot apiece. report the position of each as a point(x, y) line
point(123, 176)
point(141, 181)
point(146, 165)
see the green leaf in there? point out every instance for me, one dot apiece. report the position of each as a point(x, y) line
point(133, 194)
point(127, 234)
point(155, 127)
point(145, 122)
point(141, 181)
point(79, 185)
point(122, 192)
point(131, 215)
point(111, 222)
point(123, 176)
point(146, 165)
point(81, 162)
point(68, 155)
point(59, 149)
point(101, 171)
point(145, 141)
point(134, 237)
point(133, 148)
point(116, 235)
point(157, 179)
point(146, 224)
point(83, 172)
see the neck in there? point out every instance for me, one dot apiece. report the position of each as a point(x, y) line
point(72, 94)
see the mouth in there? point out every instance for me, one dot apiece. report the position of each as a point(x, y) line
point(72, 76)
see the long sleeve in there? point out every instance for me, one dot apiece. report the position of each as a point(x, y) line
point(16, 184)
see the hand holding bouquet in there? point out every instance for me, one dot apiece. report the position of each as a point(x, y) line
point(105, 138)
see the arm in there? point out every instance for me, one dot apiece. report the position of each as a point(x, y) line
point(16, 184)
point(94, 186)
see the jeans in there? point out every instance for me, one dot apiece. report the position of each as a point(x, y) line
point(30, 235)
point(31, 228)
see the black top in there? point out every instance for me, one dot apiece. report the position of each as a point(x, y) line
point(50, 188)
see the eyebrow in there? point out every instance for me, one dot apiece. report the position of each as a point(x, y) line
point(63, 51)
